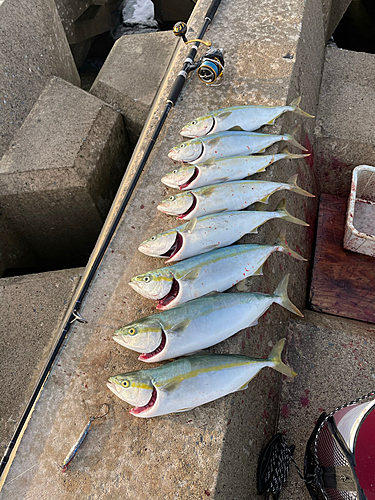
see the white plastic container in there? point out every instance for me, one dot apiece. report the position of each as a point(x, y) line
point(360, 217)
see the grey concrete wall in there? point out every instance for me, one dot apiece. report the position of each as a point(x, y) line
point(31, 310)
point(133, 92)
point(33, 46)
point(345, 129)
point(61, 172)
point(212, 450)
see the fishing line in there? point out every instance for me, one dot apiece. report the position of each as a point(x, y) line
point(92, 269)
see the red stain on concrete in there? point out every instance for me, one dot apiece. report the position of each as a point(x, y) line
point(285, 411)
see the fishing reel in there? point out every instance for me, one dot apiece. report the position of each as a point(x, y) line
point(210, 67)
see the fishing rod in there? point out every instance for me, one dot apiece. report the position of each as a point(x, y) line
point(188, 66)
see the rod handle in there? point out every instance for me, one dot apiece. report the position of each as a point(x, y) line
point(212, 9)
point(176, 89)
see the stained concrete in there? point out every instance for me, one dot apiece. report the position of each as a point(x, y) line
point(149, 56)
point(212, 450)
point(345, 129)
point(31, 310)
point(61, 172)
point(33, 46)
point(334, 361)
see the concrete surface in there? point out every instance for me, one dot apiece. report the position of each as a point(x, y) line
point(31, 310)
point(336, 10)
point(33, 46)
point(61, 172)
point(213, 450)
point(83, 19)
point(345, 129)
point(149, 56)
point(334, 361)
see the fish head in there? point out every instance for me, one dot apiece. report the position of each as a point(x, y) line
point(143, 336)
point(135, 388)
point(198, 127)
point(187, 152)
point(159, 245)
point(154, 284)
point(180, 177)
point(177, 204)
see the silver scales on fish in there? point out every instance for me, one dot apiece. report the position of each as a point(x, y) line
point(181, 289)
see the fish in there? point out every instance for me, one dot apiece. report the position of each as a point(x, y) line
point(191, 381)
point(214, 271)
point(225, 144)
point(247, 118)
point(203, 234)
point(226, 197)
point(215, 171)
point(199, 324)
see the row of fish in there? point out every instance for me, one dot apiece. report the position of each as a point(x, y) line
point(193, 316)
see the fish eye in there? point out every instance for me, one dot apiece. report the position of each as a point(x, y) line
point(194, 122)
point(182, 145)
point(175, 171)
point(146, 279)
point(171, 198)
point(153, 238)
point(125, 383)
point(131, 331)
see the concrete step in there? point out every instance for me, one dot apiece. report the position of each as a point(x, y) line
point(132, 92)
point(345, 128)
point(333, 358)
point(31, 311)
point(33, 47)
point(61, 172)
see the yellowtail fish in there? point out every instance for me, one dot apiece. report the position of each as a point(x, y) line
point(223, 170)
point(191, 381)
point(214, 271)
point(199, 323)
point(225, 197)
point(246, 118)
point(207, 233)
point(225, 144)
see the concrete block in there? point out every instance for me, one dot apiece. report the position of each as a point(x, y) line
point(33, 47)
point(345, 129)
point(85, 19)
point(31, 310)
point(338, 9)
point(132, 92)
point(61, 172)
point(333, 358)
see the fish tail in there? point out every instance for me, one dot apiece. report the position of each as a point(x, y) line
point(290, 156)
point(290, 138)
point(281, 242)
point(281, 297)
point(296, 109)
point(281, 208)
point(275, 356)
point(296, 189)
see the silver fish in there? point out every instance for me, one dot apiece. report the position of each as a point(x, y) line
point(207, 233)
point(199, 323)
point(225, 144)
point(191, 381)
point(223, 170)
point(246, 118)
point(225, 197)
point(216, 271)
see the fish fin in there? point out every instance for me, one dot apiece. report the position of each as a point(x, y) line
point(285, 151)
point(281, 242)
point(180, 327)
point(208, 190)
point(263, 169)
point(190, 225)
point(254, 323)
point(281, 208)
point(295, 103)
point(265, 198)
point(192, 353)
point(212, 247)
point(185, 409)
point(236, 128)
point(192, 275)
point(243, 387)
point(214, 142)
point(275, 356)
point(253, 231)
point(210, 161)
point(296, 189)
point(271, 122)
point(209, 294)
point(281, 297)
point(218, 211)
point(222, 179)
point(171, 386)
point(258, 272)
point(222, 116)
point(290, 138)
